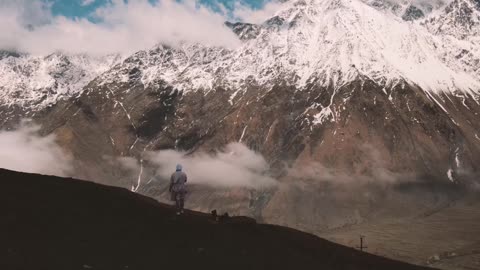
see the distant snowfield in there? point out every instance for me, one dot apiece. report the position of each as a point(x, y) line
point(42, 80)
point(327, 42)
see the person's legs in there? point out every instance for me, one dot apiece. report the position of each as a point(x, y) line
point(178, 202)
point(182, 201)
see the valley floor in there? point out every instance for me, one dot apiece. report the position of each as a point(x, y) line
point(447, 239)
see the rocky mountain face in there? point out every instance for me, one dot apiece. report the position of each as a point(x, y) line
point(460, 19)
point(408, 10)
point(362, 114)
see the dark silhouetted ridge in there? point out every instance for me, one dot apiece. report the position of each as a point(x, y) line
point(53, 223)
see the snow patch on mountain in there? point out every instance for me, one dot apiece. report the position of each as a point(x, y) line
point(39, 81)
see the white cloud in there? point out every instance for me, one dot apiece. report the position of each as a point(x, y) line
point(123, 27)
point(87, 2)
point(235, 166)
point(25, 12)
point(256, 16)
point(25, 150)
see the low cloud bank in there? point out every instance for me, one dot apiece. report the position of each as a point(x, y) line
point(121, 26)
point(371, 169)
point(314, 172)
point(24, 150)
point(234, 166)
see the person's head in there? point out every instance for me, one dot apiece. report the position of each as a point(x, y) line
point(179, 168)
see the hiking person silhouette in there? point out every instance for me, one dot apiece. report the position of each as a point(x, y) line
point(178, 188)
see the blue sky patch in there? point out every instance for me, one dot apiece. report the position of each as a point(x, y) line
point(75, 9)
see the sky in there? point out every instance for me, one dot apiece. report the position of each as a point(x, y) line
point(103, 27)
point(82, 8)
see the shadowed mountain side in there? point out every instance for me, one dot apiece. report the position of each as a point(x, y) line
point(52, 223)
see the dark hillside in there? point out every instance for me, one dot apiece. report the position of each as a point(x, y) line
point(51, 223)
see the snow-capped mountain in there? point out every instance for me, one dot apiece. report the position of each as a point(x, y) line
point(329, 42)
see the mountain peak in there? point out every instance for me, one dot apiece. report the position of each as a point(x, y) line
point(244, 31)
point(413, 13)
point(334, 41)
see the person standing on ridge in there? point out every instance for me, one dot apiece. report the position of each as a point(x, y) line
point(178, 188)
